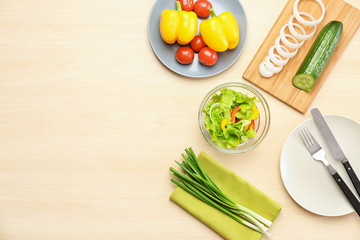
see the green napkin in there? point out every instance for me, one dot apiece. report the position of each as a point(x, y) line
point(238, 190)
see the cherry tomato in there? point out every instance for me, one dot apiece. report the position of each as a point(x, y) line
point(185, 55)
point(207, 56)
point(197, 43)
point(187, 5)
point(202, 8)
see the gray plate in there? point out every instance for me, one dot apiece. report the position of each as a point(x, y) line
point(166, 52)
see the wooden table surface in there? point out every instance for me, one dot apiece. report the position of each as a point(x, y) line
point(91, 121)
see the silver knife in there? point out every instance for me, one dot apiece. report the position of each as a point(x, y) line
point(334, 147)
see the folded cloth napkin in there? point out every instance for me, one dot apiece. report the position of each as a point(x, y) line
point(235, 187)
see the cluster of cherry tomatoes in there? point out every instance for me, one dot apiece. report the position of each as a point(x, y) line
point(201, 7)
point(185, 55)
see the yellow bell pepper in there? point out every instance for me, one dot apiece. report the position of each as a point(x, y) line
point(255, 112)
point(220, 32)
point(178, 25)
point(223, 123)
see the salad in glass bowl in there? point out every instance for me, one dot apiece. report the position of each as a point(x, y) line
point(234, 118)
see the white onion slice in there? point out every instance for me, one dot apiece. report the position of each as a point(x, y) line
point(275, 58)
point(287, 42)
point(274, 62)
point(314, 22)
point(264, 72)
point(279, 49)
point(215, 104)
point(296, 34)
point(271, 67)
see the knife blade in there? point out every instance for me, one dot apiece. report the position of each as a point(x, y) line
point(334, 146)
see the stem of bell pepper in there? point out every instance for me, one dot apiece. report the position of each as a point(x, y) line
point(178, 6)
point(212, 12)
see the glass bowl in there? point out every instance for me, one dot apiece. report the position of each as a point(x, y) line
point(261, 124)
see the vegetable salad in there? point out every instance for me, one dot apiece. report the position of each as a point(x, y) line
point(230, 118)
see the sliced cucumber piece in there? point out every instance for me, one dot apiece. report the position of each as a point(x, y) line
point(304, 81)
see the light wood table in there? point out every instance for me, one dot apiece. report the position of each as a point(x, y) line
point(91, 121)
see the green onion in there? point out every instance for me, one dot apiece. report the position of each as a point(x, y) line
point(196, 182)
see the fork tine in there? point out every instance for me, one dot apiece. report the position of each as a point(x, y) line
point(313, 140)
point(306, 136)
point(302, 135)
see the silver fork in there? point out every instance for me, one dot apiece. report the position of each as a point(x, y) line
point(318, 154)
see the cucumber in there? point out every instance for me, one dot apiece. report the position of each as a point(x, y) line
point(318, 56)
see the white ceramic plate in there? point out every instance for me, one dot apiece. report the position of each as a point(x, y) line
point(307, 181)
point(166, 52)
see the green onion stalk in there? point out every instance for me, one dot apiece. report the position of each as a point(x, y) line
point(196, 182)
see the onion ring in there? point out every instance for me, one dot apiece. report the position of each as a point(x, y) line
point(288, 43)
point(305, 22)
point(279, 49)
point(264, 72)
point(274, 62)
point(271, 67)
point(275, 58)
point(215, 104)
point(297, 35)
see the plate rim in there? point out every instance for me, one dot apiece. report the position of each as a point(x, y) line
point(282, 168)
point(189, 75)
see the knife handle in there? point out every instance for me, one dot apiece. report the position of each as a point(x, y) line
point(354, 179)
point(346, 190)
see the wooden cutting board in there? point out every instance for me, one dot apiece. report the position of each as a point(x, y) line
point(280, 84)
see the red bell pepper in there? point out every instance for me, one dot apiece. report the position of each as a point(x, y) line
point(233, 113)
point(252, 125)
